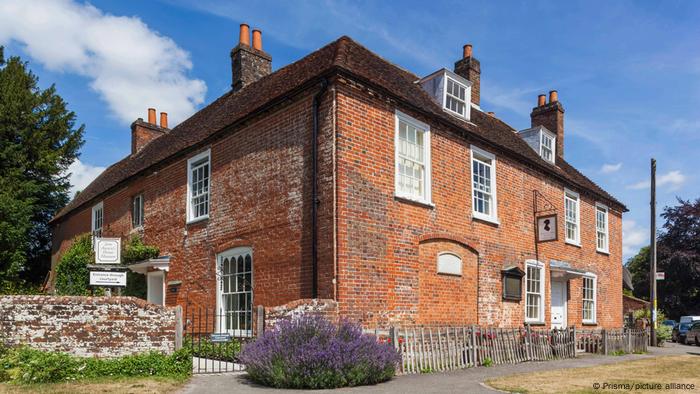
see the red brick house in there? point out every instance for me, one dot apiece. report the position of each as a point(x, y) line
point(344, 177)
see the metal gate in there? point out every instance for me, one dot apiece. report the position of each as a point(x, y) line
point(215, 348)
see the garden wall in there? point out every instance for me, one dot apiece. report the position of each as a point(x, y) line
point(90, 326)
point(314, 307)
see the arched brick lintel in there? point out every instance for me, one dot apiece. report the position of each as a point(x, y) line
point(447, 237)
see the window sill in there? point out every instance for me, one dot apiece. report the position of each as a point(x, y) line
point(197, 220)
point(535, 323)
point(605, 252)
point(589, 323)
point(450, 274)
point(573, 243)
point(410, 200)
point(484, 218)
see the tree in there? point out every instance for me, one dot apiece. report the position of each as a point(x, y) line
point(678, 256)
point(38, 141)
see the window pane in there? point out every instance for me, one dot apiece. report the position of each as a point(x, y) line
point(411, 161)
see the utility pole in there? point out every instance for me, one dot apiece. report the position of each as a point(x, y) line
point(652, 254)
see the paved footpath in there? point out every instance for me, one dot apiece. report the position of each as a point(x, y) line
point(462, 381)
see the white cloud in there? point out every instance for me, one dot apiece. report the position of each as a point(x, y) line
point(672, 179)
point(81, 174)
point(129, 65)
point(634, 237)
point(610, 168)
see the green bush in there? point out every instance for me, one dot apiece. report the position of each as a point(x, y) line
point(663, 333)
point(204, 348)
point(25, 365)
point(72, 273)
point(134, 251)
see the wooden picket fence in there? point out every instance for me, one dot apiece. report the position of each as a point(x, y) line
point(429, 349)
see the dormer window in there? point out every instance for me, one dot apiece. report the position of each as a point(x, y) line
point(541, 141)
point(451, 91)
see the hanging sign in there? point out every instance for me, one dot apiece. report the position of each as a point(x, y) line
point(108, 278)
point(108, 250)
point(547, 228)
point(660, 275)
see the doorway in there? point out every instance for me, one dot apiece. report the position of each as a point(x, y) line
point(558, 304)
point(235, 292)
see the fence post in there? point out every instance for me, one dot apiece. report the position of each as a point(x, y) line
point(575, 345)
point(629, 341)
point(605, 342)
point(178, 327)
point(474, 350)
point(260, 326)
point(528, 342)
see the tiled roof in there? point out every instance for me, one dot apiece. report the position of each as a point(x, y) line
point(343, 55)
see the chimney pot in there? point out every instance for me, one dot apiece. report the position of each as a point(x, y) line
point(152, 115)
point(490, 113)
point(257, 39)
point(541, 100)
point(553, 96)
point(467, 51)
point(244, 35)
point(164, 120)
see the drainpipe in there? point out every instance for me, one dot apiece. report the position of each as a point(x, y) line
point(314, 189)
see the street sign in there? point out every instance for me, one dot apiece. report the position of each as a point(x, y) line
point(108, 278)
point(547, 228)
point(660, 275)
point(108, 250)
point(218, 337)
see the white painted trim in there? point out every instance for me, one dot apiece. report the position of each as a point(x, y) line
point(219, 258)
point(553, 136)
point(570, 194)
point(427, 197)
point(189, 219)
point(565, 283)
point(543, 284)
point(467, 97)
point(606, 250)
point(95, 208)
point(148, 284)
point(595, 298)
point(493, 218)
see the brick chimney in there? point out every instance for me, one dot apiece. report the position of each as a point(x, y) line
point(144, 132)
point(248, 64)
point(551, 116)
point(470, 68)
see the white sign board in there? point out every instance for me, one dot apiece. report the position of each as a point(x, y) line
point(660, 275)
point(107, 278)
point(547, 228)
point(108, 250)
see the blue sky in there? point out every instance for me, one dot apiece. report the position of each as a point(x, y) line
point(627, 72)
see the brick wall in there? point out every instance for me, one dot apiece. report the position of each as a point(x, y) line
point(88, 326)
point(386, 274)
point(312, 307)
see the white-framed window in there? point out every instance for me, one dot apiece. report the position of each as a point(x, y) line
point(601, 226)
point(412, 159)
point(534, 291)
point(547, 146)
point(449, 263)
point(137, 211)
point(589, 298)
point(456, 97)
point(97, 219)
point(572, 216)
point(484, 201)
point(235, 291)
point(198, 182)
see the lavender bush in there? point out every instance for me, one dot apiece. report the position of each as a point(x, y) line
point(311, 352)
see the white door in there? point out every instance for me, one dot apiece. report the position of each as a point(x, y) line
point(235, 292)
point(558, 304)
point(155, 287)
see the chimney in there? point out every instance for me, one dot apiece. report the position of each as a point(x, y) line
point(470, 68)
point(551, 116)
point(248, 64)
point(144, 132)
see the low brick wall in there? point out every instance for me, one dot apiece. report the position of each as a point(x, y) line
point(90, 326)
point(316, 307)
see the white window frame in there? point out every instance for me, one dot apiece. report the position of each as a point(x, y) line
point(426, 198)
point(605, 231)
point(229, 254)
point(536, 264)
point(99, 207)
point(140, 211)
point(484, 156)
point(544, 134)
point(190, 211)
point(466, 101)
point(447, 272)
point(571, 195)
point(594, 278)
